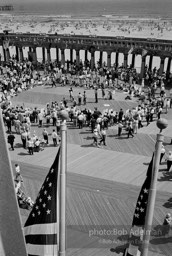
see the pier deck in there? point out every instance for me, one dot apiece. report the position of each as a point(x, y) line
point(102, 183)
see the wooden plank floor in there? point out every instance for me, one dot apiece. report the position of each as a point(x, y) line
point(97, 204)
point(102, 183)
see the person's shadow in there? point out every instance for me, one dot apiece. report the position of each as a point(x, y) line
point(23, 154)
point(166, 177)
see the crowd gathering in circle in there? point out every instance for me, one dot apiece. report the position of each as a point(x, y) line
point(17, 77)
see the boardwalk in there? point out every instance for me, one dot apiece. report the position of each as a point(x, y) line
point(102, 183)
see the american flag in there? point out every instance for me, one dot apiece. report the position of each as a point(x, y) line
point(141, 206)
point(139, 215)
point(41, 227)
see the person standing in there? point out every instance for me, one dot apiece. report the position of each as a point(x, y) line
point(8, 123)
point(167, 224)
point(95, 138)
point(35, 115)
point(71, 94)
point(84, 98)
point(96, 95)
point(80, 118)
point(58, 124)
point(120, 126)
point(79, 99)
point(167, 105)
point(11, 139)
point(103, 137)
point(135, 126)
point(148, 118)
point(18, 176)
point(140, 125)
point(169, 161)
point(54, 117)
point(24, 138)
point(130, 130)
point(93, 123)
point(159, 112)
point(162, 153)
point(54, 137)
point(40, 118)
point(103, 91)
point(151, 114)
point(45, 135)
point(120, 115)
point(30, 146)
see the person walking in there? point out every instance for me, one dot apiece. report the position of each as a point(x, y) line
point(11, 139)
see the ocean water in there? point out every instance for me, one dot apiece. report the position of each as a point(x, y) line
point(96, 8)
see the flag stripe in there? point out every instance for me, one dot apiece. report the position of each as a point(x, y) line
point(42, 250)
point(42, 229)
point(41, 239)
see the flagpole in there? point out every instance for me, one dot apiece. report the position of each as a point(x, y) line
point(62, 184)
point(161, 123)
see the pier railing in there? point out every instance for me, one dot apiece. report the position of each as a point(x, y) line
point(156, 47)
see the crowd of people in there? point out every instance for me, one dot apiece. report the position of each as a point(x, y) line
point(17, 77)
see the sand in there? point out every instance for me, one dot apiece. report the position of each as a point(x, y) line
point(106, 26)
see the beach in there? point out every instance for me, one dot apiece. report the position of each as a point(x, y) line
point(106, 25)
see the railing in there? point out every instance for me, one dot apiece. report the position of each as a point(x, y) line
point(154, 46)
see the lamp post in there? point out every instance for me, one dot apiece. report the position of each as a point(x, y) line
point(161, 124)
point(62, 185)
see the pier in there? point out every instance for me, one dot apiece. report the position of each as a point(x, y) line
point(127, 45)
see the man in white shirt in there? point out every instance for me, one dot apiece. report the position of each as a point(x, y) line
point(55, 138)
